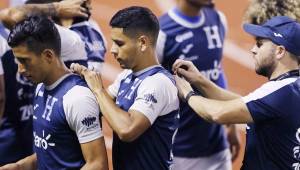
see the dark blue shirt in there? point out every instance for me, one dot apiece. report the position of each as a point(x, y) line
point(273, 140)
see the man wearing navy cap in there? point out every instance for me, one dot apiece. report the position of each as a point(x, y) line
point(272, 111)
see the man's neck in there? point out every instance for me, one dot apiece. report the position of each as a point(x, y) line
point(146, 61)
point(188, 9)
point(56, 74)
point(281, 70)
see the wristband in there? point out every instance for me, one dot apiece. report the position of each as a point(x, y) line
point(189, 95)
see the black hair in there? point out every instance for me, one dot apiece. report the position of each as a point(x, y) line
point(136, 20)
point(37, 33)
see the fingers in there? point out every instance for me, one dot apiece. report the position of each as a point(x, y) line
point(181, 72)
point(179, 63)
point(77, 68)
point(72, 8)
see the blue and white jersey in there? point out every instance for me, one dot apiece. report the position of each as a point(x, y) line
point(16, 139)
point(72, 47)
point(95, 44)
point(198, 39)
point(153, 93)
point(273, 140)
point(66, 114)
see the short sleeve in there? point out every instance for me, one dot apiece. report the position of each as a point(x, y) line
point(156, 96)
point(1, 68)
point(72, 47)
point(160, 47)
point(82, 113)
point(223, 20)
point(266, 102)
point(93, 39)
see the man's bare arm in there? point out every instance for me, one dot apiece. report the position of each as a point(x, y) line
point(67, 9)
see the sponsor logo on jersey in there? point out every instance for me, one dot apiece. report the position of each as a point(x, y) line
point(185, 36)
point(214, 73)
point(150, 98)
point(296, 151)
point(278, 35)
point(187, 48)
point(88, 121)
point(43, 141)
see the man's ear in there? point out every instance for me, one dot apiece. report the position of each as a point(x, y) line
point(48, 55)
point(144, 43)
point(280, 52)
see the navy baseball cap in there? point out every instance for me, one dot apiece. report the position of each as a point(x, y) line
point(281, 30)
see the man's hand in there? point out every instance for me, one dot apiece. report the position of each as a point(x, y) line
point(187, 70)
point(70, 8)
point(92, 78)
point(183, 87)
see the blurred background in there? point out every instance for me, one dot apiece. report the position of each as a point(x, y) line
point(237, 62)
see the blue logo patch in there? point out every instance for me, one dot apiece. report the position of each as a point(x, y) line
point(150, 98)
point(88, 121)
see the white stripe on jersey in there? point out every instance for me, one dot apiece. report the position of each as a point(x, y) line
point(185, 23)
point(267, 89)
point(160, 47)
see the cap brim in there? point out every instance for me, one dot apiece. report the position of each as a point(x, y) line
point(257, 30)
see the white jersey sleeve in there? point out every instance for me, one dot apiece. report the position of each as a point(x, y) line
point(114, 88)
point(156, 96)
point(223, 20)
point(82, 113)
point(72, 47)
point(1, 68)
point(95, 25)
point(160, 46)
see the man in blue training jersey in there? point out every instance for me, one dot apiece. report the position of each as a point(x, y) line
point(141, 105)
point(66, 125)
point(19, 92)
point(271, 111)
point(195, 31)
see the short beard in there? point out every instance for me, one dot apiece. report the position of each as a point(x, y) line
point(266, 70)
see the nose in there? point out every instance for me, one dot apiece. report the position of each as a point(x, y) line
point(114, 50)
point(21, 68)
